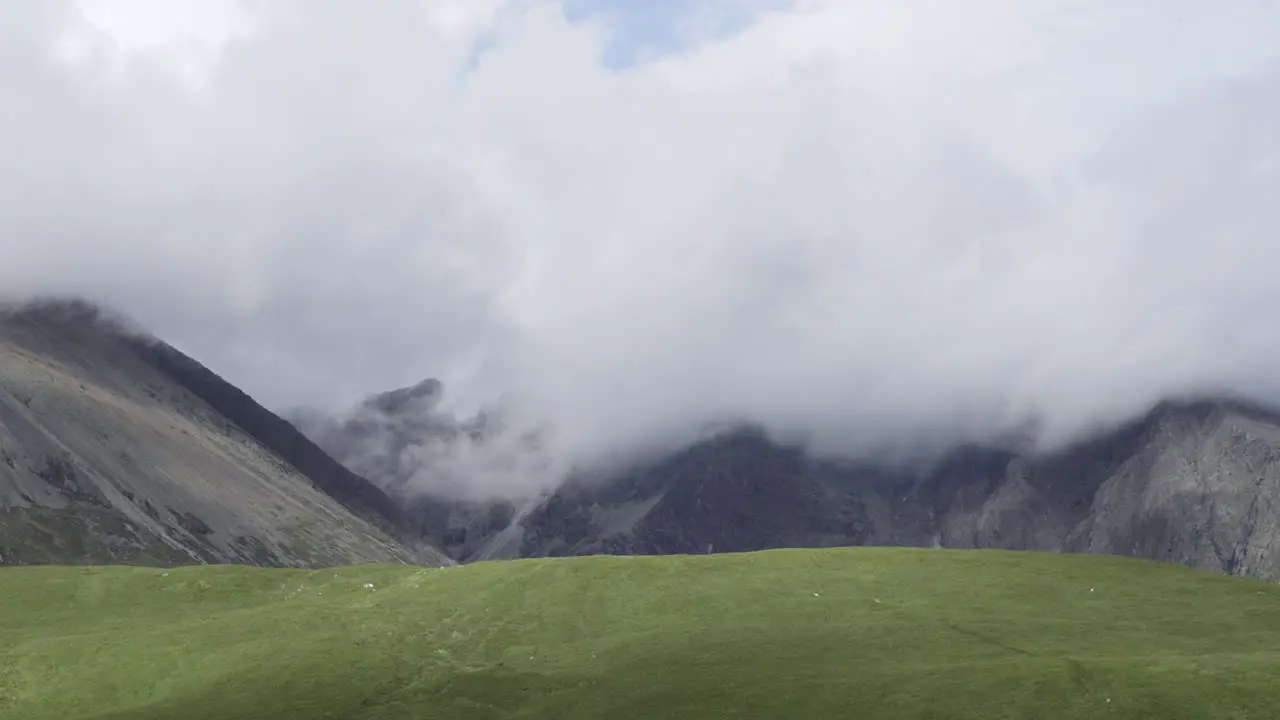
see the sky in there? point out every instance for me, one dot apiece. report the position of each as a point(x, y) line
point(858, 223)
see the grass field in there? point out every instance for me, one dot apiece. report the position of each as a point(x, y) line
point(849, 633)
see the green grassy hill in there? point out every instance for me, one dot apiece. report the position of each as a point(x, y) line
point(848, 633)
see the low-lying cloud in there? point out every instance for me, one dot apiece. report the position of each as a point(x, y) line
point(852, 221)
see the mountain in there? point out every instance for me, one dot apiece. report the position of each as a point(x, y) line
point(117, 448)
point(403, 443)
point(1193, 482)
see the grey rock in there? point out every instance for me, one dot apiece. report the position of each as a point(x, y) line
point(1195, 483)
point(117, 448)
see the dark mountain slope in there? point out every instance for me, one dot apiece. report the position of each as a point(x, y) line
point(118, 449)
point(355, 493)
point(1196, 484)
point(736, 492)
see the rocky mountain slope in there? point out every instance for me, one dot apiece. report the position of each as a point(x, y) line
point(118, 448)
point(1191, 483)
point(1195, 483)
point(115, 447)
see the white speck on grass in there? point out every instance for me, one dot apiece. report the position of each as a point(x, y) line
point(815, 594)
point(369, 586)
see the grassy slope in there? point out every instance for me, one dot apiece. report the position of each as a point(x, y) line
point(866, 633)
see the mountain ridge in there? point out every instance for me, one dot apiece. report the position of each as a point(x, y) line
point(115, 446)
point(118, 448)
point(1193, 480)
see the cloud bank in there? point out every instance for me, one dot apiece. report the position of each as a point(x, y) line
point(855, 222)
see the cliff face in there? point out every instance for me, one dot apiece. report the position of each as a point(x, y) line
point(1202, 489)
point(1195, 484)
point(119, 449)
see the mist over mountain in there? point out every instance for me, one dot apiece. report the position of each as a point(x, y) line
point(117, 447)
point(1192, 480)
point(861, 226)
point(406, 443)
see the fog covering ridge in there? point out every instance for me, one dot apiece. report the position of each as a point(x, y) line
point(869, 229)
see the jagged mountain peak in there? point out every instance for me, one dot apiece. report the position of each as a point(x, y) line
point(1194, 479)
point(424, 396)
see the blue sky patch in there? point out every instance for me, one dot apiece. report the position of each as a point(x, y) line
point(643, 29)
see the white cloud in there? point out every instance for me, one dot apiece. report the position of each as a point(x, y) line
point(463, 18)
point(851, 220)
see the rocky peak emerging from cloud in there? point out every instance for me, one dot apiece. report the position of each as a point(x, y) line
point(421, 398)
point(407, 443)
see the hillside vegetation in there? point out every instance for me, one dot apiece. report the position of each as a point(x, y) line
point(861, 632)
